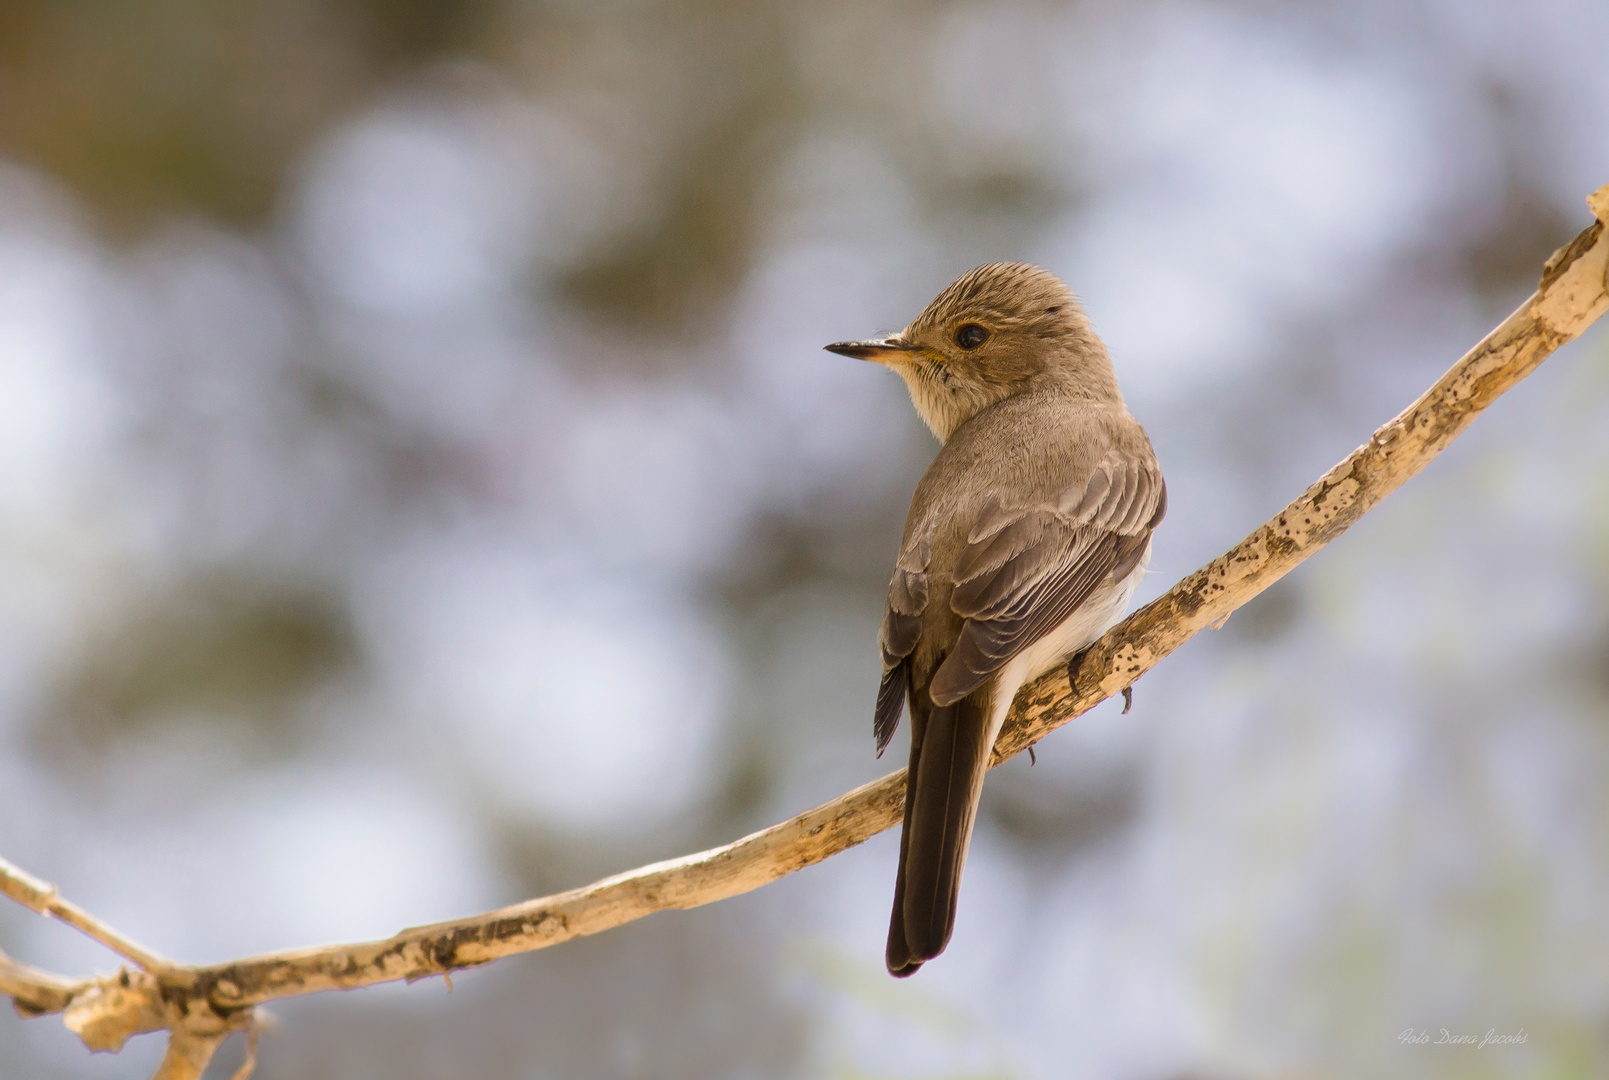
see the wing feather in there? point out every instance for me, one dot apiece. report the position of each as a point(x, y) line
point(1139, 504)
point(890, 703)
point(902, 627)
point(1021, 579)
point(1118, 499)
point(1100, 482)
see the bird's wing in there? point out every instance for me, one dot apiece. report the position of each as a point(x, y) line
point(902, 625)
point(1024, 570)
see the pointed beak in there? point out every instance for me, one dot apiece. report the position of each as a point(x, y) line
point(877, 350)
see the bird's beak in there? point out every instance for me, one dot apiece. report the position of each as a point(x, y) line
point(877, 350)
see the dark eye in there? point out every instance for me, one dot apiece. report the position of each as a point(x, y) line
point(971, 335)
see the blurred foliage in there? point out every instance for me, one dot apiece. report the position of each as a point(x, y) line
point(690, 256)
point(227, 649)
point(181, 107)
point(175, 107)
point(1521, 238)
point(199, 106)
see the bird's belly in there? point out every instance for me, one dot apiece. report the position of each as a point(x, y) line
point(1082, 628)
point(1093, 618)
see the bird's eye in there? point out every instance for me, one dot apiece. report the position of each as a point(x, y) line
point(971, 335)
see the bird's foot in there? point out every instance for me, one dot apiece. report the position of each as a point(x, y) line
point(1073, 663)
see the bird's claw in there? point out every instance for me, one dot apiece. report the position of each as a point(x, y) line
point(1073, 663)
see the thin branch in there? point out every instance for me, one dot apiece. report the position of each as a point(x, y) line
point(188, 1054)
point(253, 1030)
point(200, 1004)
point(35, 895)
point(34, 992)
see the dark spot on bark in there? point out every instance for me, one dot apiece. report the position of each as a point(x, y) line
point(1281, 546)
point(1189, 602)
point(443, 953)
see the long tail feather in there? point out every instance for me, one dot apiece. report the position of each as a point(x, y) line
point(945, 780)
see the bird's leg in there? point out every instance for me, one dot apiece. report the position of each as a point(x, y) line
point(1033, 759)
point(1074, 662)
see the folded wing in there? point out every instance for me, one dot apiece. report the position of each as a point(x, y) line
point(1025, 570)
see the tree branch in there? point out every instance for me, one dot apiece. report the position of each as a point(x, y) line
point(34, 992)
point(37, 896)
point(202, 1004)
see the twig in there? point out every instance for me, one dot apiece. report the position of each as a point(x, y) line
point(253, 1030)
point(201, 1004)
point(188, 1054)
point(34, 992)
point(35, 895)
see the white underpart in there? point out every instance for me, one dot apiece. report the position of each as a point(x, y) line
point(1093, 618)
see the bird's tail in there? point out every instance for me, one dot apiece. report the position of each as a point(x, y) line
point(941, 799)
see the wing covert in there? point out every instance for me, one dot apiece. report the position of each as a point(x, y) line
point(1025, 571)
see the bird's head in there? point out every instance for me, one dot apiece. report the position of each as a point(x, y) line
point(994, 332)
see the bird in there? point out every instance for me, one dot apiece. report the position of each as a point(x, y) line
point(1024, 543)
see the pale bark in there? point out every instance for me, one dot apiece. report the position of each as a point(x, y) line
point(35, 895)
point(202, 1004)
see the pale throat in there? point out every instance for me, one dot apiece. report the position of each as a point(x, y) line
point(943, 407)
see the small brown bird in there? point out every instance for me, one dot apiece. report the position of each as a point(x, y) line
point(1024, 542)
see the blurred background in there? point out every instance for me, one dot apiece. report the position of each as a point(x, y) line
point(422, 488)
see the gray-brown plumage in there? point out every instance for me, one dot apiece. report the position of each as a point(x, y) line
point(1024, 543)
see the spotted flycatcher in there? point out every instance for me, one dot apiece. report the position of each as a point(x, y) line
point(1024, 542)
